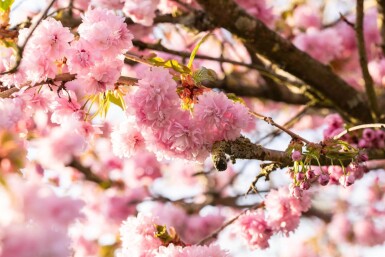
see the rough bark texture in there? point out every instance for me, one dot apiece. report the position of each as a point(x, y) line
point(262, 40)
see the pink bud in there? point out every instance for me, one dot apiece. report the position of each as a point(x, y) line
point(295, 191)
point(323, 179)
point(347, 180)
point(296, 156)
point(300, 176)
point(310, 174)
point(305, 185)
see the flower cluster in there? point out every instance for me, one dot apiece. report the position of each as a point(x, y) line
point(140, 238)
point(168, 130)
point(283, 215)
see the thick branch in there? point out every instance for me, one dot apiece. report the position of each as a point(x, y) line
point(369, 86)
point(278, 94)
point(262, 40)
point(243, 148)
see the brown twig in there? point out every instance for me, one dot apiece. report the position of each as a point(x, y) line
point(185, 54)
point(65, 77)
point(270, 121)
point(369, 85)
point(381, 16)
point(20, 49)
point(227, 223)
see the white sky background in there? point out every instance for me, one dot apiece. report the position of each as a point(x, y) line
point(23, 7)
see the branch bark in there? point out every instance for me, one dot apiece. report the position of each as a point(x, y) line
point(369, 86)
point(262, 40)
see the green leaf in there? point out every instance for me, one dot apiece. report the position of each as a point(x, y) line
point(5, 5)
point(117, 100)
point(235, 98)
point(195, 50)
point(204, 74)
point(170, 64)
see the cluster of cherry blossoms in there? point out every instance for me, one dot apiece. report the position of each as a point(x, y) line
point(167, 130)
point(115, 170)
point(36, 217)
point(283, 214)
point(141, 237)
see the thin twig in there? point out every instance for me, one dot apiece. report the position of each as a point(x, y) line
point(20, 49)
point(381, 16)
point(159, 47)
point(372, 125)
point(369, 85)
point(227, 223)
point(270, 121)
point(288, 124)
point(65, 77)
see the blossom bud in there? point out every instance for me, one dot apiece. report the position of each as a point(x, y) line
point(347, 180)
point(296, 156)
point(305, 185)
point(310, 174)
point(295, 191)
point(323, 179)
point(300, 176)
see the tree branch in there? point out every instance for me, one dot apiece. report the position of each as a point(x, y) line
point(381, 16)
point(262, 40)
point(243, 148)
point(65, 77)
point(369, 86)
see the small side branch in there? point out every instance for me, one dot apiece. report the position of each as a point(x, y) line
point(369, 85)
point(381, 15)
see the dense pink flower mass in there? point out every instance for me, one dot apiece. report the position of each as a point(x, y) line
point(141, 11)
point(255, 229)
point(284, 210)
point(318, 44)
point(138, 236)
point(105, 139)
point(37, 217)
point(220, 116)
point(157, 111)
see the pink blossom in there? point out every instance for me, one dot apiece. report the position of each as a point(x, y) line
point(59, 147)
point(255, 229)
point(191, 251)
point(258, 9)
point(106, 32)
point(296, 156)
point(109, 4)
point(198, 227)
point(185, 139)
point(40, 67)
point(306, 16)
point(367, 233)
point(59, 212)
point(126, 139)
point(101, 77)
point(143, 169)
point(141, 11)
point(64, 108)
point(11, 113)
point(347, 180)
point(340, 228)
point(81, 57)
point(222, 118)
point(137, 235)
point(118, 207)
point(284, 211)
point(317, 43)
point(377, 70)
point(51, 38)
